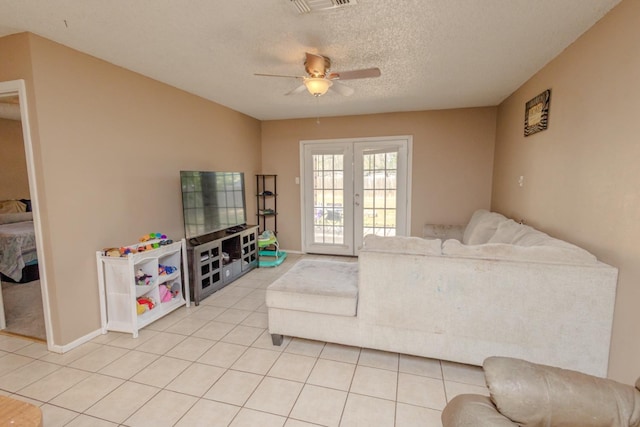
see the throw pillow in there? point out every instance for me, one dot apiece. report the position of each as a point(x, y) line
point(12, 206)
point(482, 225)
point(509, 232)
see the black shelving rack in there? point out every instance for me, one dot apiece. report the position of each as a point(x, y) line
point(267, 202)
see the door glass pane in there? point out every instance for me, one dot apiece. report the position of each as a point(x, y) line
point(328, 196)
point(379, 193)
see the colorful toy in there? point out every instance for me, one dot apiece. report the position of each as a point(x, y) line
point(140, 308)
point(142, 279)
point(267, 257)
point(165, 293)
point(166, 269)
point(153, 236)
point(175, 289)
point(151, 241)
point(147, 242)
point(113, 252)
point(146, 302)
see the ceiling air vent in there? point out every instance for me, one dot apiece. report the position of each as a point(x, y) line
point(309, 6)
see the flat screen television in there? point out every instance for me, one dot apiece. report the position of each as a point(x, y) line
point(212, 201)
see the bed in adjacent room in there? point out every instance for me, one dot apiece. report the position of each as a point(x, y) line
point(18, 257)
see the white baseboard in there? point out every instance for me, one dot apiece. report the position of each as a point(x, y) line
point(291, 252)
point(73, 344)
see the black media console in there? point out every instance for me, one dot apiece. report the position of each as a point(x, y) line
point(220, 258)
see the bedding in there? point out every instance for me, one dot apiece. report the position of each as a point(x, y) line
point(17, 244)
point(12, 206)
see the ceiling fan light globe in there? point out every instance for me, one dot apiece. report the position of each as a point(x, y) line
point(317, 86)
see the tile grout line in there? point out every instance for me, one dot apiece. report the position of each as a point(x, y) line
point(303, 384)
point(250, 295)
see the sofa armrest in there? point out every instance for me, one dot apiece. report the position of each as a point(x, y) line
point(443, 232)
point(533, 394)
point(473, 410)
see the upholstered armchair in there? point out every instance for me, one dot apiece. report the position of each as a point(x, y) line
point(532, 395)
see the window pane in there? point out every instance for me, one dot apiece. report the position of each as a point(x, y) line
point(328, 196)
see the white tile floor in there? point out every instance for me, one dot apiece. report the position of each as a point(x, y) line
point(214, 365)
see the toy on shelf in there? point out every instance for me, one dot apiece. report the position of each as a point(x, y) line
point(152, 241)
point(142, 279)
point(166, 269)
point(114, 252)
point(144, 304)
point(153, 236)
point(125, 250)
point(147, 242)
point(175, 289)
point(165, 293)
point(140, 308)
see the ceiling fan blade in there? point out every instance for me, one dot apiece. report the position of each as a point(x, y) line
point(277, 75)
point(342, 89)
point(356, 74)
point(316, 65)
point(299, 89)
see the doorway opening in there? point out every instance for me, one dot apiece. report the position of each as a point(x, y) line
point(24, 303)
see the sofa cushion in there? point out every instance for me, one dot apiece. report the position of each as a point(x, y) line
point(316, 286)
point(443, 232)
point(473, 410)
point(522, 235)
point(559, 253)
point(403, 245)
point(482, 225)
point(533, 237)
point(509, 231)
point(538, 395)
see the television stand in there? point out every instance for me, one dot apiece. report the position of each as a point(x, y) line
point(205, 238)
point(210, 270)
point(236, 229)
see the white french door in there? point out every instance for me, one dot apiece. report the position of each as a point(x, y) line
point(351, 188)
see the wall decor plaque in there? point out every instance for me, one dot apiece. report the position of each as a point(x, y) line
point(536, 113)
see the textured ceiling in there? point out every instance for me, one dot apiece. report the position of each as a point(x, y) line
point(433, 54)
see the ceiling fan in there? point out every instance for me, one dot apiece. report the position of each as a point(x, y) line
point(320, 79)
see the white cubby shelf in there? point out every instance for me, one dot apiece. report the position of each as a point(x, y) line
point(119, 290)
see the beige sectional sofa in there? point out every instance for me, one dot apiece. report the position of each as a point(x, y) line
point(503, 289)
point(522, 393)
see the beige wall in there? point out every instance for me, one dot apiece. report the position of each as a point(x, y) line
point(15, 63)
point(452, 161)
point(582, 179)
point(111, 144)
point(13, 173)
